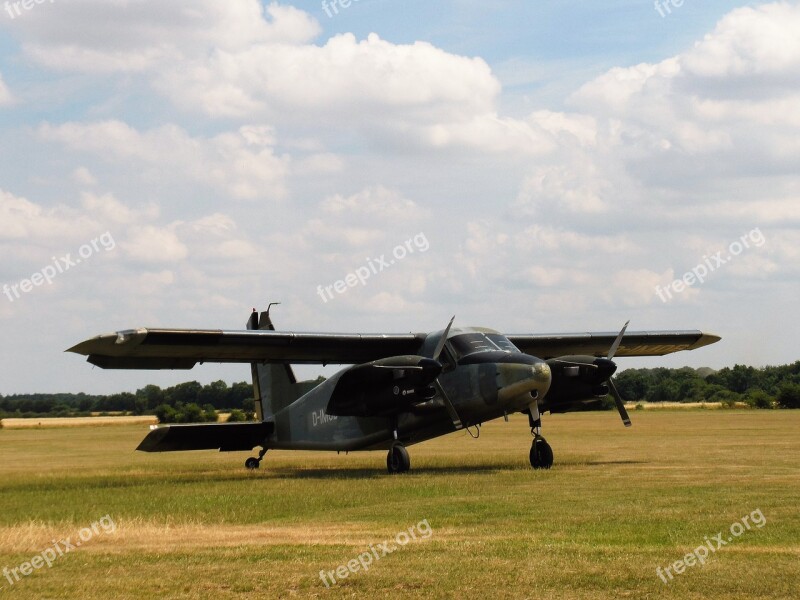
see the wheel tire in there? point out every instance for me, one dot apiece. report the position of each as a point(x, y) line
point(252, 463)
point(398, 461)
point(541, 455)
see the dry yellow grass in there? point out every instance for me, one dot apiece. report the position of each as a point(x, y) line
point(77, 422)
point(618, 504)
point(679, 405)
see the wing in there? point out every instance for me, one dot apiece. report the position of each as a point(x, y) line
point(634, 343)
point(206, 436)
point(183, 348)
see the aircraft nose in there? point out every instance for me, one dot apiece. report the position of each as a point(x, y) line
point(516, 383)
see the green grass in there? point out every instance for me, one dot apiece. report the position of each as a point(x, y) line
point(617, 504)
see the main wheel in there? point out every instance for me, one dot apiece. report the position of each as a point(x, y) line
point(252, 463)
point(541, 454)
point(397, 461)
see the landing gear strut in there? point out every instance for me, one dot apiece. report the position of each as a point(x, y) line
point(253, 462)
point(397, 461)
point(541, 455)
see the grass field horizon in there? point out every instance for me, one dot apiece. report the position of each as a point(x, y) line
point(617, 504)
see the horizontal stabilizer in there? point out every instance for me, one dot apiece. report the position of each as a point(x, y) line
point(227, 437)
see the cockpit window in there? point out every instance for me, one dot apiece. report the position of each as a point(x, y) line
point(471, 343)
point(502, 342)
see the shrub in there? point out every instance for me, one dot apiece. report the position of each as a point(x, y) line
point(237, 416)
point(789, 396)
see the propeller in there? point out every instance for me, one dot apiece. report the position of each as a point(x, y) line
point(611, 386)
point(451, 410)
point(442, 340)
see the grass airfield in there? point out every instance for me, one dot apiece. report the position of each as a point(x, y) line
point(617, 504)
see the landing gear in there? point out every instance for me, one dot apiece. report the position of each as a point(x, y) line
point(541, 453)
point(253, 462)
point(397, 461)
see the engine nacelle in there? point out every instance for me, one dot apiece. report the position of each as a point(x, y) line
point(385, 385)
point(578, 380)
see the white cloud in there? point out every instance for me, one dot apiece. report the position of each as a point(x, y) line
point(146, 34)
point(151, 244)
point(751, 44)
point(343, 82)
point(373, 204)
point(5, 94)
point(27, 222)
point(109, 209)
point(238, 59)
point(83, 176)
point(241, 164)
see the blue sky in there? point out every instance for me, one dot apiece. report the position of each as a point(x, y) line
point(564, 161)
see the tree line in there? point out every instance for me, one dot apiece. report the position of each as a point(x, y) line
point(767, 387)
point(169, 402)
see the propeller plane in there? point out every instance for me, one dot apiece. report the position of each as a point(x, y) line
point(400, 389)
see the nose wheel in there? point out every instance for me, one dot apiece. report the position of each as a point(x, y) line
point(397, 461)
point(541, 453)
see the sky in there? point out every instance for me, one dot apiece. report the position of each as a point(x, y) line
point(379, 166)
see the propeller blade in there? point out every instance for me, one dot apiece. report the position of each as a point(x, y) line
point(451, 410)
point(449, 405)
point(617, 342)
point(620, 404)
point(442, 340)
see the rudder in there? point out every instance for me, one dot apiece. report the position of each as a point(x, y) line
point(274, 385)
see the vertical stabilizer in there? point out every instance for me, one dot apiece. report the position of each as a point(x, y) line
point(274, 385)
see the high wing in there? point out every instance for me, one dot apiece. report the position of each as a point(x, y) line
point(634, 343)
point(183, 348)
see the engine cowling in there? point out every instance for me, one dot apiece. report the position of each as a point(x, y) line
point(385, 386)
point(577, 381)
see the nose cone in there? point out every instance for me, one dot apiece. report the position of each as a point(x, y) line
point(605, 369)
point(518, 383)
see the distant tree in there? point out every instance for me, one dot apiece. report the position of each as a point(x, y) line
point(190, 413)
point(215, 394)
point(210, 414)
point(184, 393)
point(237, 394)
point(237, 416)
point(758, 398)
point(249, 408)
point(789, 396)
point(152, 395)
point(726, 398)
point(633, 384)
point(165, 413)
point(664, 391)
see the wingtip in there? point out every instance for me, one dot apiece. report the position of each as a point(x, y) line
point(705, 339)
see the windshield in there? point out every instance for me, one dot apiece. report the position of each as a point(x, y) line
point(471, 343)
point(502, 342)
